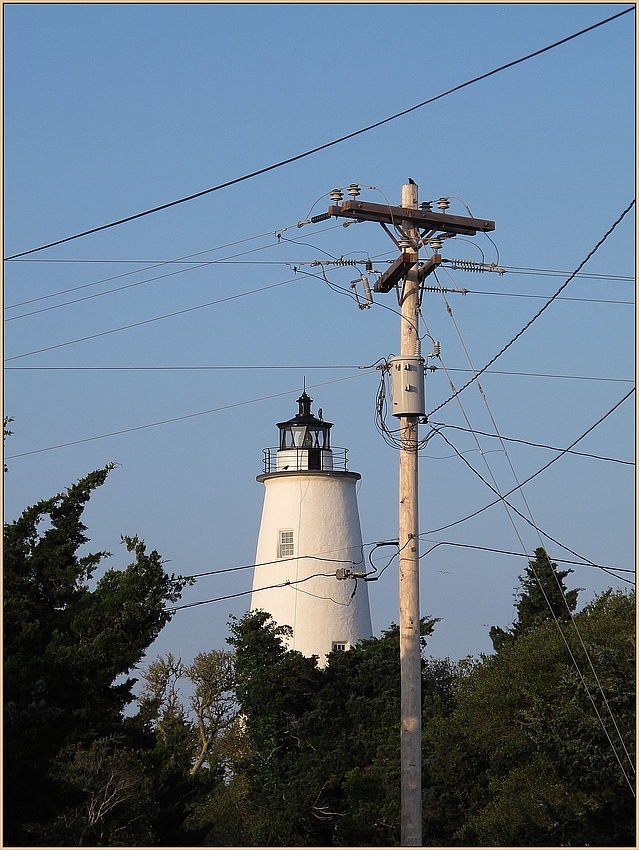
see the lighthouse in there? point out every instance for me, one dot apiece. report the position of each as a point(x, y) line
point(310, 538)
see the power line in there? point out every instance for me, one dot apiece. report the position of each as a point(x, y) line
point(546, 375)
point(530, 478)
point(277, 561)
point(119, 288)
point(327, 144)
point(154, 319)
point(517, 269)
point(526, 295)
point(528, 443)
point(154, 264)
point(539, 312)
point(295, 366)
point(591, 565)
point(193, 266)
point(330, 575)
point(159, 368)
point(496, 489)
point(287, 583)
point(504, 500)
point(180, 418)
point(559, 273)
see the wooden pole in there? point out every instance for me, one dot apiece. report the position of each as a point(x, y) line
point(409, 637)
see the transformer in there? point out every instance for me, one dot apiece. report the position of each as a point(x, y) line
point(407, 384)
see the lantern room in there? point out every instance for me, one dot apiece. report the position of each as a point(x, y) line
point(304, 444)
point(304, 431)
point(305, 441)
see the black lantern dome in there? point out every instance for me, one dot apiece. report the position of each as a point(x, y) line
point(305, 431)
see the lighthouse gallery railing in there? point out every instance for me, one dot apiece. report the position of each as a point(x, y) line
point(320, 460)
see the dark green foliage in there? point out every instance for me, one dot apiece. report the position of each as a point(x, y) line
point(543, 597)
point(322, 760)
point(531, 755)
point(519, 748)
point(65, 650)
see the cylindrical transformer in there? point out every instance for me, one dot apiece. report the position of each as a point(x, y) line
point(407, 382)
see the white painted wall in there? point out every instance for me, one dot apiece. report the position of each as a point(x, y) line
point(321, 509)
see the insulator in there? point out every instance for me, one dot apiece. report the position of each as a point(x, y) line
point(426, 206)
point(367, 289)
point(443, 203)
point(404, 243)
point(436, 348)
point(369, 266)
point(469, 266)
point(336, 195)
point(321, 217)
point(435, 244)
point(354, 190)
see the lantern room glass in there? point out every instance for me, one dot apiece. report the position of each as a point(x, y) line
point(304, 437)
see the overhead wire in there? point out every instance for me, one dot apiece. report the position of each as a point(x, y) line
point(503, 499)
point(569, 648)
point(514, 269)
point(326, 145)
point(533, 523)
point(278, 561)
point(539, 312)
point(153, 265)
point(295, 366)
point(535, 474)
point(154, 319)
point(192, 267)
point(546, 375)
point(180, 418)
point(606, 568)
point(287, 583)
point(439, 425)
point(492, 419)
point(528, 295)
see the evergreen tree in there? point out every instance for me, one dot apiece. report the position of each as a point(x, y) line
point(66, 649)
point(540, 748)
point(543, 597)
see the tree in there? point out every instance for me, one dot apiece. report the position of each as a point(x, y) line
point(6, 433)
point(213, 707)
point(321, 764)
point(67, 648)
point(540, 748)
point(543, 596)
point(192, 712)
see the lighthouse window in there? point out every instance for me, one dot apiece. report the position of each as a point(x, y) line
point(339, 646)
point(286, 547)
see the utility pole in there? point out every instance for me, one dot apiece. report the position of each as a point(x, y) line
point(408, 386)
point(409, 643)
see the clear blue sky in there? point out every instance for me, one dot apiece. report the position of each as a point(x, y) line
point(111, 109)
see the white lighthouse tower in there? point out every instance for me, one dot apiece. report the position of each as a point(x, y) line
point(310, 533)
